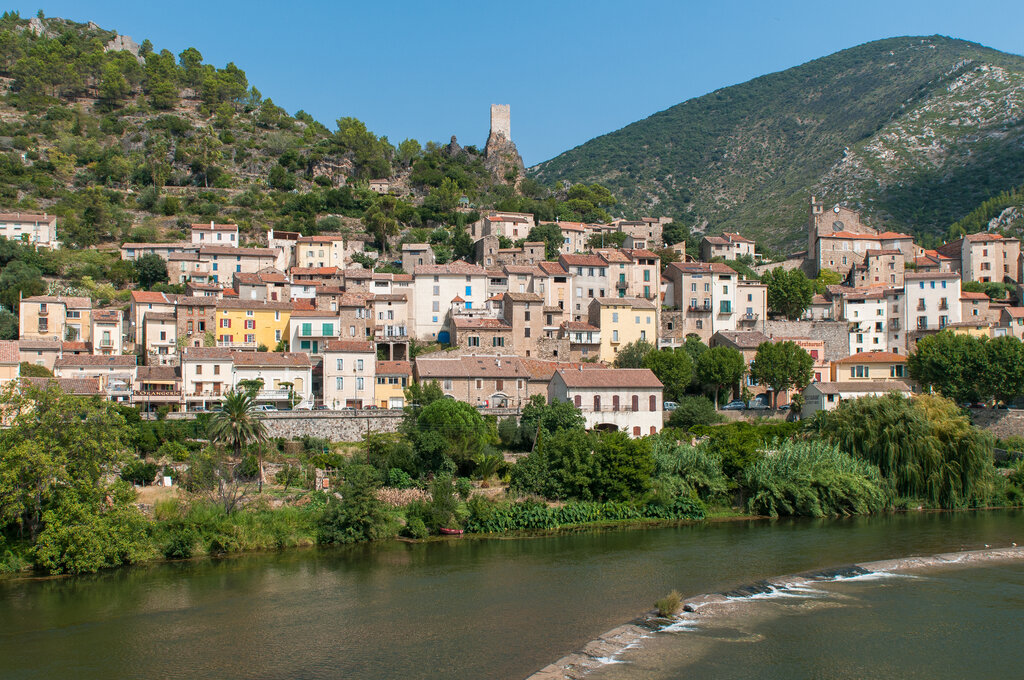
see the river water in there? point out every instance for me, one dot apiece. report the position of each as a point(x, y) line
point(945, 623)
point(448, 609)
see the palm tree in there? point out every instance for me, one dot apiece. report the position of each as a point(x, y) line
point(238, 425)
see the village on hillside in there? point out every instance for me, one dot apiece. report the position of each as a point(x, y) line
point(314, 330)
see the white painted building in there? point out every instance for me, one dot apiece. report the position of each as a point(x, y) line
point(932, 300)
point(436, 286)
point(349, 373)
point(30, 228)
point(627, 399)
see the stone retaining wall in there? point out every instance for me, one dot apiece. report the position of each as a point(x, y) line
point(339, 426)
point(1001, 423)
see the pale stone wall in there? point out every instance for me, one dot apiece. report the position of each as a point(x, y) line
point(501, 120)
point(835, 334)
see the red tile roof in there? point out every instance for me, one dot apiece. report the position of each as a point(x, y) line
point(873, 358)
point(349, 346)
point(624, 378)
point(9, 352)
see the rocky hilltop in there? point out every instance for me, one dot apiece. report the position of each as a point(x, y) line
point(915, 132)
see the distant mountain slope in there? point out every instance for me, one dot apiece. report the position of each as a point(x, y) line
point(914, 131)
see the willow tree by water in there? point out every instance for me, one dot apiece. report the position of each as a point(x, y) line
point(924, 446)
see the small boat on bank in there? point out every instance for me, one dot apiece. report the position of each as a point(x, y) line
point(450, 532)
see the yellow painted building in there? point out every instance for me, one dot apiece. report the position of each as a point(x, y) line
point(247, 324)
point(976, 329)
point(622, 321)
point(392, 379)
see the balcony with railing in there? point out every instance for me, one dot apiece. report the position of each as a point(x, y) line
point(704, 308)
point(894, 324)
point(391, 334)
point(272, 395)
point(621, 285)
point(749, 317)
point(236, 344)
point(943, 306)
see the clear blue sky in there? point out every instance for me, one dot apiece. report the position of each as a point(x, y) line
point(570, 70)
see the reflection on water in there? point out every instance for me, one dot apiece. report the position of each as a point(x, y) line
point(949, 623)
point(460, 608)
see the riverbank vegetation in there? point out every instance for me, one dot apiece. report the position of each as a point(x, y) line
point(75, 475)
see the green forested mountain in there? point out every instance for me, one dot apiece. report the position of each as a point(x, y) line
point(915, 131)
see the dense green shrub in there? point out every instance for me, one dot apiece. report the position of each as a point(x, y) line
point(696, 469)
point(399, 479)
point(139, 472)
point(813, 479)
point(359, 516)
point(173, 450)
point(694, 411)
point(740, 444)
point(491, 517)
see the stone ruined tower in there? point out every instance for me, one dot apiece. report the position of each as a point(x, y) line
point(501, 121)
point(502, 156)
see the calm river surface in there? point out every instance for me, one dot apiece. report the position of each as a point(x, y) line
point(452, 609)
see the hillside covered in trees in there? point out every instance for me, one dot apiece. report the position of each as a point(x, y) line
point(130, 142)
point(914, 131)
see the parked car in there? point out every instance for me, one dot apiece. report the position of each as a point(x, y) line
point(265, 407)
point(671, 406)
point(321, 407)
point(758, 405)
point(735, 405)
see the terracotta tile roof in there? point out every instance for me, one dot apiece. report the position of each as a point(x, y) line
point(1015, 312)
point(579, 326)
point(727, 237)
point(214, 227)
point(77, 386)
point(75, 346)
point(541, 371)
point(890, 235)
point(986, 236)
point(931, 275)
point(861, 386)
point(470, 367)
point(103, 361)
point(274, 305)
point(270, 358)
point(51, 345)
point(314, 271)
point(69, 302)
point(634, 303)
point(200, 300)
point(876, 252)
point(582, 260)
point(358, 273)
point(524, 297)
point(158, 373)
point(311, 312)
point(106, 315)
point(702, 268)
point(613, 255)
point(322, 238)
point(968, 295)
point(349, 346)
point(743, 339)
point(520, 269)
point(237, 252)
point(28, 217)
point(636, 253)
point(150, 297)
point(10, 352)
point(183, 257)
point(553, 268)
point(456, 267)
point(873, 358)
point(394, 368)
point(624, 378)
point(158, 316)
point(205, 354)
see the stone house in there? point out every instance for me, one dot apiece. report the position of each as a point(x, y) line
point(485, 380)
point(40, 352)
point(160, 339)
point(826, 396)
point(195, 317)
point(729, 246)
point(416, 255)
point(984, 257)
